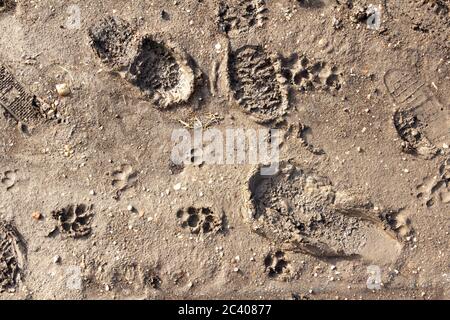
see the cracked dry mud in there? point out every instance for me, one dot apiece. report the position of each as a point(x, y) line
point(92, 205)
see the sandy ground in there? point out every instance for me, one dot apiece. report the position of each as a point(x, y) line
point(92, 208)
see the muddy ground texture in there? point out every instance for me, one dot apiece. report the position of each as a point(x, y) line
point(91, 206)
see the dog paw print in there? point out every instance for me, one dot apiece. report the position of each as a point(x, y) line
point(152, 279)
point(241, 16)
point(301, 211)
point(257, 84)
point(9, 179)
point(74, 220)
point(199, 220)
point(307, 75)
point(277, 266)
point(123, 179)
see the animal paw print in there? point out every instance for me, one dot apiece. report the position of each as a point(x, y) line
point(9, 179)
point(399, 223)
point(161, 70)
point(306, 75)
point(438, 7)
point(7, 5)
point(192, 157)
point(276, 265)
point(123, 179)
point(433, 9)
point(437, 188)
point(12, 256)
point(257, 83)
point(74, 220)
point(199, 220)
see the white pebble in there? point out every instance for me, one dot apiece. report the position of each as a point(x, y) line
point(63, 89)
